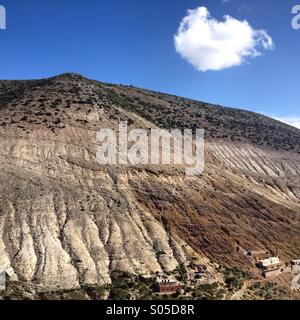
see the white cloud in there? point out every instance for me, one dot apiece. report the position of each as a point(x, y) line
point(292, 121)
point(209, 44)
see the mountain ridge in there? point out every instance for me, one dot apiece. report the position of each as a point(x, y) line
point(65, 220)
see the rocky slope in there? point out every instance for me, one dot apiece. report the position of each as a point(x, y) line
point(65, 220)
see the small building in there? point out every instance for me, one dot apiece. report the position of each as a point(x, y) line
point(271, 264)
point(271, 273)
point(295, 264)
point(271, 267)
point(166, 285)
point(201, 268)
point(160, 275)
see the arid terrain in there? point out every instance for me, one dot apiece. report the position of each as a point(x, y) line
point(66, 221)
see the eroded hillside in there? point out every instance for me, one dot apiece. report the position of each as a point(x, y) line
point(66, 220)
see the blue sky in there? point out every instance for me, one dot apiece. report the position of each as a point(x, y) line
point(132, 42)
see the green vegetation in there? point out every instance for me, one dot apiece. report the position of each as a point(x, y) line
point(234, 278)
point(182, 273)
point(270, 291)
point(117, 293)
point(125, 286)
point(96, 292)
point(13, 292)
point(212, 291)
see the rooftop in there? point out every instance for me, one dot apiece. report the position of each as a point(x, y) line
point(270, 261)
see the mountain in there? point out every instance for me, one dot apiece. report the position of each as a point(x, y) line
point(66, 220)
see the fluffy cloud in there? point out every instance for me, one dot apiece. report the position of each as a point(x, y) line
point(209, 44)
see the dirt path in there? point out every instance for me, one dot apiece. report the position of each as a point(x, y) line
point(239, 294)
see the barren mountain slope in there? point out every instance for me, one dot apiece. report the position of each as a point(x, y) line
point(64, 219)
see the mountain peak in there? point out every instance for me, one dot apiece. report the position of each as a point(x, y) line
point(70, 75)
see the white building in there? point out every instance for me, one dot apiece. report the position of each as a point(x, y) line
point(271, 263)
point(295, 266)
point(271, 267)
